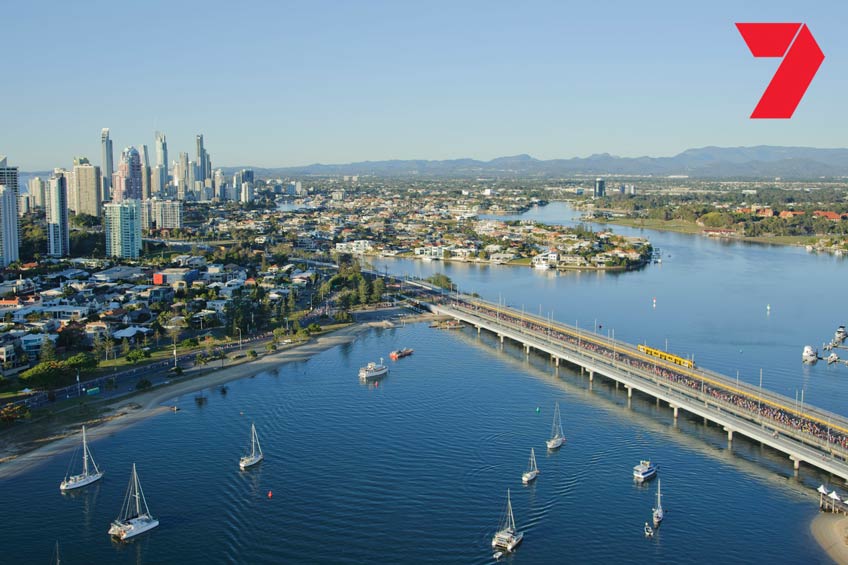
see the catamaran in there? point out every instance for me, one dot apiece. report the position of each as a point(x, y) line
point(256, 454)
point(658, 511)
point(135, 517)
point(506, 537)
point(532, 470)
point(557, 437)
point(87, 476)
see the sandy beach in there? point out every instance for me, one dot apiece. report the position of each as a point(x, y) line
point(831, 532)
point(127, 412)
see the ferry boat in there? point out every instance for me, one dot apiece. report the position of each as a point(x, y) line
point(644, 471)
point(809, 355)
point(506, 537)
point(89, 474)
point(135, 517)
point(400, 354)
point(373, 370)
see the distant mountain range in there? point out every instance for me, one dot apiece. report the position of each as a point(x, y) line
point(763, 161)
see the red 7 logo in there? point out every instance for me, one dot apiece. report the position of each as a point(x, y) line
point(801, 60)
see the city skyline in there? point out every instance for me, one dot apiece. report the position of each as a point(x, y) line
point(376, 82)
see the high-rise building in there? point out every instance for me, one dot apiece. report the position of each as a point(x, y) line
point(24, 205)
point(87, 196)
point(161, 163)
point(220, 184)
point(9, 177)
point(161, 214)
point(181, 176)
point(201, 159)
point(600, 188)
point(246, 193)
point(191, 177)
point(145, 173)
point(106, 163)
point(9, 241)
point(157, 180)
point(126, 183)
point(37, 188)
point(122, 224)
point(58, 242)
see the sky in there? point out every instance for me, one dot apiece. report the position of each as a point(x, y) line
point(294, 83)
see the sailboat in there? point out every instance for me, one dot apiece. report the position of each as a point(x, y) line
point(557, 437)
point(532, 470)
point(87, 476)
point(57, 558)
point(135, 517)
point(256, 454)
point(658, 511)
point(506, 537)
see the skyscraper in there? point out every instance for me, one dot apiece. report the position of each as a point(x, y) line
point(87, 197)
point(201, 159)
point(181, 176)
point(122, 224)
point(9, 242)
point(58, 243)
point(600, 188)
point(37, 188)
point(220, 184)
point(145, 173)
point(9, 177)
point(126, 183)
point(106, 163)
point(161, 163)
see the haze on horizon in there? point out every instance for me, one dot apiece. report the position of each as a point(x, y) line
point(288, 84)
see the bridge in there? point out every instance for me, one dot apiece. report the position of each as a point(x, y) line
point(806, 434)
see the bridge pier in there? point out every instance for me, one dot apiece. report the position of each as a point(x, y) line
point(526, 349)
point(555, 359)
point(591, 376)
point(729, 434)
point(501, 336)
point(478, 330)
point(674, 408)
point(629, 391)
point(796, 462)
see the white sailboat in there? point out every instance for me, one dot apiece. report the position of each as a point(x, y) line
point(135, 517)
point(658, 511)
point(532, 470)
point(557, 437)
point(87, 476)
point(256, 454)
point(506, 537)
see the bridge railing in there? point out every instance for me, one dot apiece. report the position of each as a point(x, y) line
point(701, 396)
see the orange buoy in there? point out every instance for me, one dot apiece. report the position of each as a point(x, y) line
point(270, 494)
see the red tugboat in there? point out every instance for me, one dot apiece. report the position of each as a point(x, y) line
point(400, 353)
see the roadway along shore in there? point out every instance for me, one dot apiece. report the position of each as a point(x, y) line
point(124, 413)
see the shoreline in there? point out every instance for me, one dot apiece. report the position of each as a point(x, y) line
point(831, 533)
point(122, 414)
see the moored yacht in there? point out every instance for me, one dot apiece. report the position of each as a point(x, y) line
point(809, 355)
point(373, 370)
point(557, 437)
point(255, 456)
point(90, 472)
point(840, 334)
point(832, 358)
point(135, 517)
point(644, 471)
point(658, 511)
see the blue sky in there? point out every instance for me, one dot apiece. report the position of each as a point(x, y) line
point(291, 83)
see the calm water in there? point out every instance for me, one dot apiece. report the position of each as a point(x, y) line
point(416, 469)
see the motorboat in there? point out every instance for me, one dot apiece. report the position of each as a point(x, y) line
point(840, 334)
point(809, 355)
point(373, 370)
point(644, 471)
point(649, 531)
point(832, 358)
point(400, 354)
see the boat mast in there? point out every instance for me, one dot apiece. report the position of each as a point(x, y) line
point(659, 503)
point(84, 454)
point(137, 491)
point(510, 520)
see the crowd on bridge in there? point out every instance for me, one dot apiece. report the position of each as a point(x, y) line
point(757, 408)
